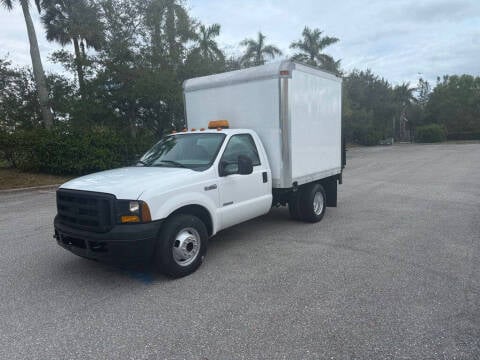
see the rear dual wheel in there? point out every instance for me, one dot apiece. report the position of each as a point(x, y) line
point(308, 203)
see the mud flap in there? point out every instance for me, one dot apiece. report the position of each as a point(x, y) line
point(330, 187)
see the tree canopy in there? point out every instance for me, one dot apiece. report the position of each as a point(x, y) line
point(127, 60)
point(455, 104)
point(257, 52)
point(310, 49)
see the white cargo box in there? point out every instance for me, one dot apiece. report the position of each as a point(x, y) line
point(295, 110)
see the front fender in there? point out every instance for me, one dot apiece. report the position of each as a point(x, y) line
point(161, 208)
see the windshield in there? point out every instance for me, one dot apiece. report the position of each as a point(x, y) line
point(193, 151)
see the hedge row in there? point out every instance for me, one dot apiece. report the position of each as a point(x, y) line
point(430, 133)
point(464, 136)
point(69, 153)
point(367, 136)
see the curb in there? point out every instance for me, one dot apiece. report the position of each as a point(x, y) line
point(33, 188)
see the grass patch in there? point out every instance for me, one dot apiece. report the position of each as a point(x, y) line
point(13, 178)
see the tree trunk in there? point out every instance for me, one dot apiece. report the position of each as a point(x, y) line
point(82, 48)
point(38, 73)
point(171, 30)
point(156, 44)
point(78, 64)
point(132, 120)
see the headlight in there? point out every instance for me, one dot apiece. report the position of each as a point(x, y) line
point(132, 211)
point(134, 206)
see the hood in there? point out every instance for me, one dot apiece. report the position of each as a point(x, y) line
point(129, 182)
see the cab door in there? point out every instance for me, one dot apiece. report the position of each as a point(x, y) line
point(243, 197)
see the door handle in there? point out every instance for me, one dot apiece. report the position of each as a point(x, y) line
point(265, 176)
point(210, 187)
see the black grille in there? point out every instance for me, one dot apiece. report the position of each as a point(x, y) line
point(85, 210)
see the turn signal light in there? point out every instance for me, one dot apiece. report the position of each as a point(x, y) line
point(146, 217)
point(130, 218)
point(218, 124)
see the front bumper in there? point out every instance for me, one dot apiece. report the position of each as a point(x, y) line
point(126, 243)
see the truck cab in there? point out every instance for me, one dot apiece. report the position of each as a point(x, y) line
point(201, 181)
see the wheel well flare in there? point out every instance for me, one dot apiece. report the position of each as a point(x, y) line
point(198, 211)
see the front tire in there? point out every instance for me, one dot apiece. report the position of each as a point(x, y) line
point(182, 245)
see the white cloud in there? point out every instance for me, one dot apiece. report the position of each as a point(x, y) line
point(397, 40)
point(14, 39)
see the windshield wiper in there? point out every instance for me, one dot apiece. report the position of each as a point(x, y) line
point(141, 163)
point(173, 163)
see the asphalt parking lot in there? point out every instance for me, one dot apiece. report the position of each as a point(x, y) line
point(392, 273)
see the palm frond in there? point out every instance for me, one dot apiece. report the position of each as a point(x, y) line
point(311, 46)
point(256, 50)
point(272, 50)
point(7, 4)
point(327, 41)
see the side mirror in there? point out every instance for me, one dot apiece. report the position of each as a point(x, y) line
point(245, 165)
point(226, 168)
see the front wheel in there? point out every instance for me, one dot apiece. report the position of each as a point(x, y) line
point(182, 245)
point(312, 203)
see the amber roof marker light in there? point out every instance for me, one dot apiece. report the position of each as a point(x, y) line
point(215, 124)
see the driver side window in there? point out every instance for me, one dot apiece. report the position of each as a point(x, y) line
point(242, 144)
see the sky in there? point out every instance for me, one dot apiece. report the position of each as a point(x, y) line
point(400, 40)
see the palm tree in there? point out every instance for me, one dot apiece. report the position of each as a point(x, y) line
point(169, 25)
point(257, 52)
point(332, 66)
point(311, 47)
point(403, 94)
point(403, 97)
point(76, 21)
point(207, 47)
point(38, 72)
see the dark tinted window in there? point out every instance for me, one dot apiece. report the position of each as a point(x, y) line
point(241, 145)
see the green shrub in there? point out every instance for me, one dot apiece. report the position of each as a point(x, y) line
point(18, 149)
point(65, 152)
point(430, 133)
point(365, 136)
point(464, 136)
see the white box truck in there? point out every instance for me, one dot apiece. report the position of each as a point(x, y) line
point(255, 138)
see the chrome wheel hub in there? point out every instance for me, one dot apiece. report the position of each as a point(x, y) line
point(318, 203)
point(186, 246)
